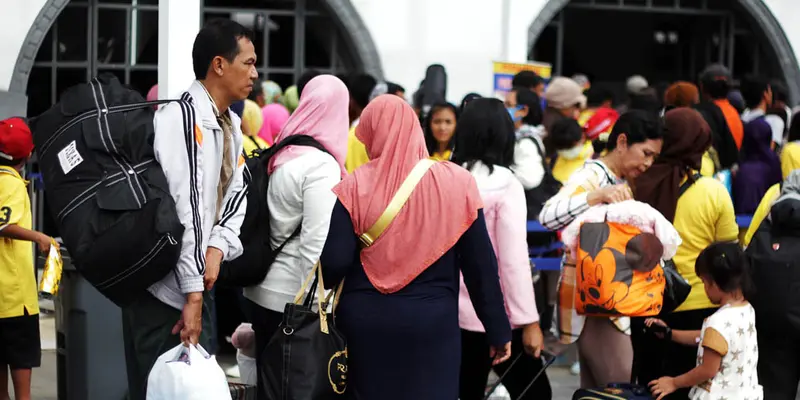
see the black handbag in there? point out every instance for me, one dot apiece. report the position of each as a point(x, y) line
point(306, 359)
point(676, 288)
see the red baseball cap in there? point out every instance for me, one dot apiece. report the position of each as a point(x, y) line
point(601, 122)
point(16, 141)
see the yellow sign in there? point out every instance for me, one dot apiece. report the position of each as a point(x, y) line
point(504, 72)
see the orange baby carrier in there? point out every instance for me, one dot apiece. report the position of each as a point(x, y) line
point(618, 271)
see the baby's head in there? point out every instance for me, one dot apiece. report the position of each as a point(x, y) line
point(244, 339)
point(725, 270)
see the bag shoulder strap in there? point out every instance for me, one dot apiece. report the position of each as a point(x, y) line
point(397, 203)
point(689, 182)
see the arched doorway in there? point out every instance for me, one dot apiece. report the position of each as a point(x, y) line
point(72, 41)
point(665, 39)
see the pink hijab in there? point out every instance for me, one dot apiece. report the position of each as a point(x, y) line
point(443, 206)
point(323, 115)
point(152, 94)
point(275, 117)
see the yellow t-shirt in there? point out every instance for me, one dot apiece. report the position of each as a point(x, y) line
point(790, 158)
point(356, 152)
point(762, 211)
point(704, 215)
point(707, 166)
point(443, 156)
point(18, 291)
point(564, 168)
point(253, 143)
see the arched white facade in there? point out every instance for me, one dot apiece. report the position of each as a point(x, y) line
point(396, 39)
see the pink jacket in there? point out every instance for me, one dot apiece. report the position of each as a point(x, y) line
point(505, 211)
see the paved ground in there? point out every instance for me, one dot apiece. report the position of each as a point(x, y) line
point(45, 378)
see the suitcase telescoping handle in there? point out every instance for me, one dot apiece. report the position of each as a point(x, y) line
point(549, 359)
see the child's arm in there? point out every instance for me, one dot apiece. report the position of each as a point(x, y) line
point(19, 233)
point(701, 373)
point(660, 328)
point(686, 338)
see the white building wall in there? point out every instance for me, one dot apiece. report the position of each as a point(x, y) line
point(18, 17)
point(463, 35)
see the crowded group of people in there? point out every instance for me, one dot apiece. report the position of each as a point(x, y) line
point(446, 293)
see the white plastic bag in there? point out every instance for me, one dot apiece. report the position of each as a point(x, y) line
point(187, 373)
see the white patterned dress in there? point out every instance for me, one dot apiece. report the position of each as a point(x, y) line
point(731, 332)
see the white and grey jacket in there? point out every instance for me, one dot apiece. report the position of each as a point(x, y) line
point(188, 144)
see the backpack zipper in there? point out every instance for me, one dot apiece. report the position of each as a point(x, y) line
point(154, 251)
point(93, 113)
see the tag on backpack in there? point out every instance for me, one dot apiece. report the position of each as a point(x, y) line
point(69, 158)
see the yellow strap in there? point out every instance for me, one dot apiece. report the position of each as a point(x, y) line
point(397, 203)
point(298, 298)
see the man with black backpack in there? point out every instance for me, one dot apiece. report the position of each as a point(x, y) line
point(775, 272)
point(198, 142)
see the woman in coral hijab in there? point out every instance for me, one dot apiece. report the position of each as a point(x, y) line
point(399, 307)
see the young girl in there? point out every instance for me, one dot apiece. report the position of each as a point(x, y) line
point(440, 127)
point(727, 354)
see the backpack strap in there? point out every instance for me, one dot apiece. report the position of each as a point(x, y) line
point(397, 202)
point(689, 182)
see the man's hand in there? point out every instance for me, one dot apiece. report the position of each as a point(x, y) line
point(44, 242)
point(533, 340)
point(191, 323)
point(213, 261)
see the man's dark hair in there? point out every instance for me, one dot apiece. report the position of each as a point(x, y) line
point(219, 37)
point(646, 100)
point(715, 81)
point(526, 79)
point(484, 133)
point(393, 88)
point(779, 91)
point(565, 133)
point(307, 76)
point(360, 87)
point(638, 126)
point(597, 95)
point(753, 88)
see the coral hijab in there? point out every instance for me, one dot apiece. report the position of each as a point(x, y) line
point(323, 115)
point(442, 207)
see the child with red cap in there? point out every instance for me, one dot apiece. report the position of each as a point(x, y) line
point(20, 346)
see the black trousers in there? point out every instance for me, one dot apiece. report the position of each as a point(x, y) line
point(778, 361)
point(476, 365)
point(147, 333)
point(654, 357)
point(265, 324)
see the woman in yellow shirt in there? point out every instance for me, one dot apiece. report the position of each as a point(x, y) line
point(440, 129)
point(702, 214)
point(790, 154)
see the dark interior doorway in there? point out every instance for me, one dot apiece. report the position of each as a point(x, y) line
point(664, 41)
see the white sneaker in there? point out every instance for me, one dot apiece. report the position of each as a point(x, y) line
point(575, 369)
point(233, 372)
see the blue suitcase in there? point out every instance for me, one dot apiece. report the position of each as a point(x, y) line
point(614, 391)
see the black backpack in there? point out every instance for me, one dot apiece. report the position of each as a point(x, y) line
point(253, 265)
point(536, 197)
point(104, 189)
point(774, 252)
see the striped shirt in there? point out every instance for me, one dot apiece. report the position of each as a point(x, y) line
point(571, 200)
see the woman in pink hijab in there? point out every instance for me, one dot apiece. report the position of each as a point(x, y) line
point(300, 199)
point(275, 116)
point(399, 306)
